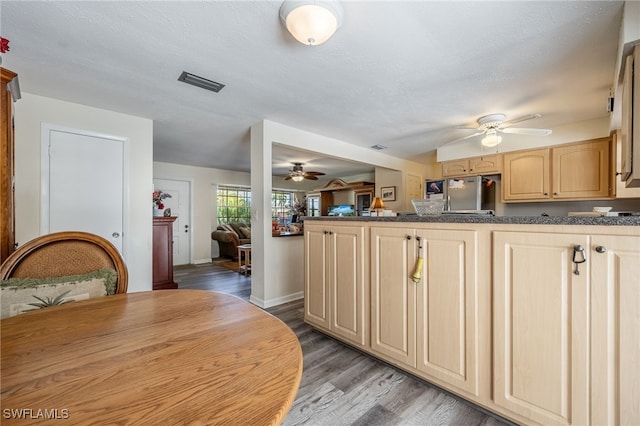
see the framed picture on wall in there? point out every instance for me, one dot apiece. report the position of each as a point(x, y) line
point(388, 193)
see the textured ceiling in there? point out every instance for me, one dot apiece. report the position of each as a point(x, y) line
point(401, 74)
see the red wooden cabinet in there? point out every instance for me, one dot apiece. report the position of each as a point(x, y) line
point(163, 253)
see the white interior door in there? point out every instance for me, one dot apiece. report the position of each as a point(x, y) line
point(180, 205)
point(83, 181)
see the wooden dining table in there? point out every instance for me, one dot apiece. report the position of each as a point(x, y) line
point(160, 358)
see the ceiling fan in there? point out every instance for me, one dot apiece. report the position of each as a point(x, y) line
point(492, 124)
point(297, 174)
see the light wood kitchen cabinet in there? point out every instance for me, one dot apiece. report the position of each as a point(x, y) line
point(630, 131)
point(336, 280)
point(581, 170)
point(526, 175)
point(541, 327)
point(577, 171)
point(615, 332)
point(484, 165)
point(430, 325)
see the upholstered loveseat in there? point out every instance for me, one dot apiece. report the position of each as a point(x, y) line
point(230, 236)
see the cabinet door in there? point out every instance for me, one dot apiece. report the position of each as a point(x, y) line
point(455, 168)
point(581, 170)
point(541, 324)
point(447, 308)
point(316, 267)
point(526, 175)
point(393, 294)
point(615, 335)
point(349, 302)
point(485, 164)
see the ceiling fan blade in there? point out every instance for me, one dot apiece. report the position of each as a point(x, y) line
point(310, 177)
point(314, 173)
point(520, 119)
point(525, 131)
point(463, 138)
point(288, 177)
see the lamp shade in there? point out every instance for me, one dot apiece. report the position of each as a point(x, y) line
point(376, 204)
point(311, 22)
point(297, 178)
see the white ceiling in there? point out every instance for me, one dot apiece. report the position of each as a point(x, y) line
point(403, 74)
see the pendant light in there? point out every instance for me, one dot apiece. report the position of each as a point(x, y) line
point(311, 22)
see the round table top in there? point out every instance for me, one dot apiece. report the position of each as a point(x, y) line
point(161, 357)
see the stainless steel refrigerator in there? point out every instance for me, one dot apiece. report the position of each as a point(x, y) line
point(470, 194)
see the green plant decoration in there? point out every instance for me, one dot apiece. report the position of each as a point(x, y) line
point(47, 301)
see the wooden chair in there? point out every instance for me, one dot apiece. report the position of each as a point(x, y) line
point(65, 253)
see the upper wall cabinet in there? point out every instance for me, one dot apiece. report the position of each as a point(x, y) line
point(630, 132)
point(578, 171)
point(484, 165)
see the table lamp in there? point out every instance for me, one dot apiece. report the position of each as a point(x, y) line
point(377, 205)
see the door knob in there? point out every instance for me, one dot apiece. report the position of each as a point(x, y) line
point(115, 235)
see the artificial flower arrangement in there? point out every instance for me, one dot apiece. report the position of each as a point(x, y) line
point(158, 196)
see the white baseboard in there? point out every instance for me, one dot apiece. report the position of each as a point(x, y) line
point(201, 261)
point(264, 304)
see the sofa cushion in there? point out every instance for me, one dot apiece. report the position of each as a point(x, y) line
point(245, 232)
point(20, 295)
point(227, 227)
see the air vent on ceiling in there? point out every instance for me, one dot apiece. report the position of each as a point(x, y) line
point(200, 82)
point(378, 147)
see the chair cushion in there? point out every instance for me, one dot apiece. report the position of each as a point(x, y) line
point(18, 295)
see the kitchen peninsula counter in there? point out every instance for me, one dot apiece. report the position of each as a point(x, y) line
point(467, 302)
point(489, 219)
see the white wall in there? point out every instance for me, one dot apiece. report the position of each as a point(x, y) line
point(33, 110)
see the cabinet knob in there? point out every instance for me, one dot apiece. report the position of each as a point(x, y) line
point(546, 193)
point(408, 237)
point(601, 249)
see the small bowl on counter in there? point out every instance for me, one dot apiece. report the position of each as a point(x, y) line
point(602, 210)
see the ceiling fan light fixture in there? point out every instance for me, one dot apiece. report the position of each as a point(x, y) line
point(491, 139)
point(297, 178)
point(311, 22)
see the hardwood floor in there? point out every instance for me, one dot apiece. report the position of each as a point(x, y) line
point(340, 385)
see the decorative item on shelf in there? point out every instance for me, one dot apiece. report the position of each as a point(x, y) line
point(377, 207)
point(275, 228)
point(158, 205)
point(167, 213)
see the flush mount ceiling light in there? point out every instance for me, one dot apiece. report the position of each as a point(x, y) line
point(491, 139)
point(311, 22)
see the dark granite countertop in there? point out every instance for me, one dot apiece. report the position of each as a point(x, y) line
point(507, 220)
